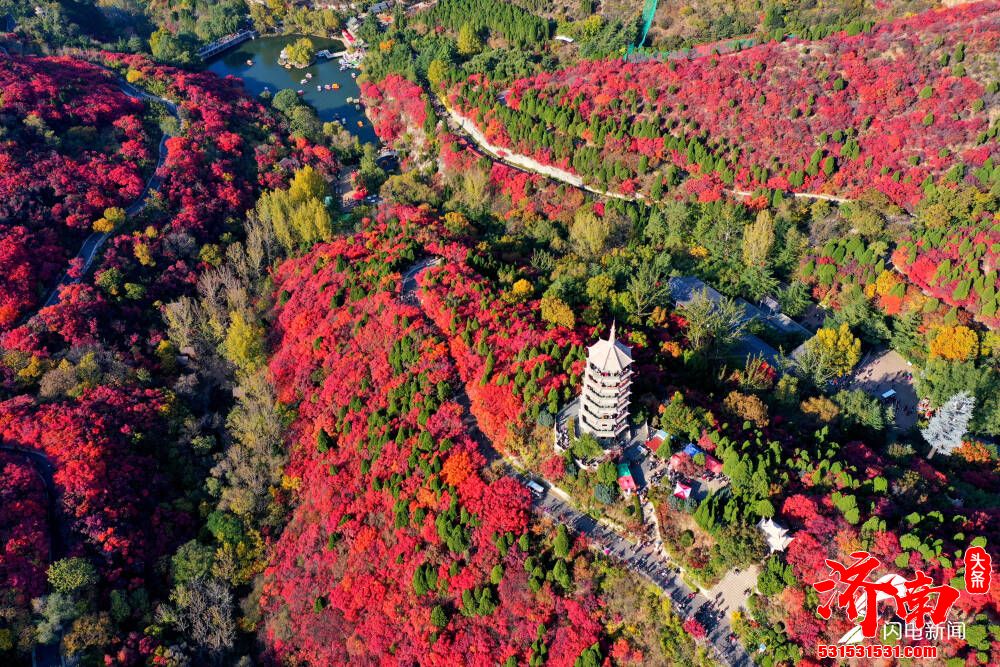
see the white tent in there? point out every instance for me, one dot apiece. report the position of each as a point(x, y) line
point(777, 536)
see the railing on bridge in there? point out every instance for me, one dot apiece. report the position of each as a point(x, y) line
point(226, 42)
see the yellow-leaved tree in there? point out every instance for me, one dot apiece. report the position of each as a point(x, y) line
point(556, 311)
point(832, 352)
point(955, 343)
point(307, 184)
point(758, 239)
point(243, 345)
point(521, 290)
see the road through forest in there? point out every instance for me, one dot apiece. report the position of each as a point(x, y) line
point(93, 243)
point(646, 562)
point(465, 127)
point(49, 655)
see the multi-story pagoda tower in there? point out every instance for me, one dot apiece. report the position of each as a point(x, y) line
point(607, 382)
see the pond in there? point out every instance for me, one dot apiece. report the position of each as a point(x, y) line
point(266, 74)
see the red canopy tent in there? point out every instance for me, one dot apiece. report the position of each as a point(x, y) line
point(682, 491)
point(625, 479)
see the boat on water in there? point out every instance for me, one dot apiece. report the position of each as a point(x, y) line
point(353, 75)
point(335, 86)
point(300, 92)
point(249, 63)
point(319, 87)
point(308, 75)
point(357, 107)
point(302, 82)
point(361, 123)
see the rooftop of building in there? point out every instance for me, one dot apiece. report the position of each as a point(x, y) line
point(610, 354)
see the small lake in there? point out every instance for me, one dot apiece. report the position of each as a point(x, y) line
point(266, 74)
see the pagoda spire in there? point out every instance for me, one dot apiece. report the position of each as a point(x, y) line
point(612, 336)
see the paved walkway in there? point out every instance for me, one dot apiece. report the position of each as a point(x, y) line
point(467, 127)
point(647, 561)
point(733, 589)
point(94, 242)
point(887, 370)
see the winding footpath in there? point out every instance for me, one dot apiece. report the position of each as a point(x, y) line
point(647, 562)
point(50, 655)
point(46, 655)
point(465, 127)
point(93, 243)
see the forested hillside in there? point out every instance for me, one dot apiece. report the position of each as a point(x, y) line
point(99, 412)
point(402, 541)
point(74, 149)
point(906, 105)
point(271, 394)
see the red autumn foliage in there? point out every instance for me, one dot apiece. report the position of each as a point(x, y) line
point(396, 107)
point(23, 531)
point(694, 628)
point(481, 323)
point(957, 265)
point(231, 148)
point(390, 485)
point(76, 146)
point(879, 106)
point(107, 484)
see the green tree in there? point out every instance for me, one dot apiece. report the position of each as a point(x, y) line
point(169, 48)
point(586, 447)
point(647, 289)
point(607, 473)
point(193, 560)
point(372, 174)
point(303, 122)
point(722, 322)
point(561, 543)
point(561, 574)
point(285, 100)
point(438, 617)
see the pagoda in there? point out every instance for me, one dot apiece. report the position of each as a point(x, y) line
point(607, 382)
